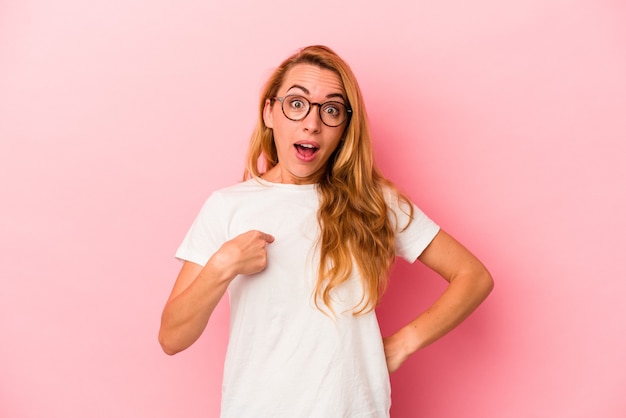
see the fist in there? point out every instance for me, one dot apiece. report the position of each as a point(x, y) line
point(246, 253)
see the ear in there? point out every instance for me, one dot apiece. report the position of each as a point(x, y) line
point(267, 114)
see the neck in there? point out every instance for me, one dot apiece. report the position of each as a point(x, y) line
point(276, 174)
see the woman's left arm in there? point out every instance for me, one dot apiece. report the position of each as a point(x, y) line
point(469, 284)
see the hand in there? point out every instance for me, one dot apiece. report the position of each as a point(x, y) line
point(394, 352)
point(244, 254)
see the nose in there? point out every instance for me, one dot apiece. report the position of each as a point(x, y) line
point(312, 122)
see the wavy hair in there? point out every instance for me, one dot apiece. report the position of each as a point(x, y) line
point(356, 229)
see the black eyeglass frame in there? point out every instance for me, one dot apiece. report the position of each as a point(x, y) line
point(311, 104)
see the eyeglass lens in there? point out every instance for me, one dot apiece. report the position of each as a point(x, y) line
point(297, 107)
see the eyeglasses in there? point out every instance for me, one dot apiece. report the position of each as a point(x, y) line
point(296, 107)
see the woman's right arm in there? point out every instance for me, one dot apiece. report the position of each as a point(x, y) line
point(198, 289)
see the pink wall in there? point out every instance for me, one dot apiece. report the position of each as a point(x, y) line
point(505, 121)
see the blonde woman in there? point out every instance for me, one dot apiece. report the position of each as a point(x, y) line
point(303, 246)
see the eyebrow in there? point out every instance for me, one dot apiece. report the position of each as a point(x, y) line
point(306, 91)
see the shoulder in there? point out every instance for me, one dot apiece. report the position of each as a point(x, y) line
point(239, 190)
point(403, 210)
point(222, 199)
point(396, 201)
point(257, 193)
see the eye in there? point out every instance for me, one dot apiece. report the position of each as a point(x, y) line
point(297, 103)
point(333, 109)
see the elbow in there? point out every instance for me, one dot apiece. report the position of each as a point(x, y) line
point(167, 345)
point(486, 283)
point(169, 351)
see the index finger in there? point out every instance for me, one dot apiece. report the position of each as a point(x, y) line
point(267, 237)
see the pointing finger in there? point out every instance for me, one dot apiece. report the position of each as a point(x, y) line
point(267, 237)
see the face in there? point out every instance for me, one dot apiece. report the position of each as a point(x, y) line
point(304, 146)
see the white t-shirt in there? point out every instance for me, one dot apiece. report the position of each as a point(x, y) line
point(285, 357)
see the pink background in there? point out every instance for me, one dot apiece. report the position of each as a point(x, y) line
point(505, 122)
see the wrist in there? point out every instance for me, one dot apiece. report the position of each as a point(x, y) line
point(221, 269)
point(407, 339)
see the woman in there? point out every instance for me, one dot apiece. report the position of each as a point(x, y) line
point(304, 246)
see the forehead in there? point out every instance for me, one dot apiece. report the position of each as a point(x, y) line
point(316, 80)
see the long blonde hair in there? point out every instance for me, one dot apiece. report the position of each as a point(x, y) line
point(353, 213)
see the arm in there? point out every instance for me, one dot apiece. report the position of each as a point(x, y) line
point(469, 284)
point(198, 289)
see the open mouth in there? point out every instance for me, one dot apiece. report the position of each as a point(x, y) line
point(306, 150)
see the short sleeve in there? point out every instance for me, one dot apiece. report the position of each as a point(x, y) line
point(206, 234)
point(412, 235)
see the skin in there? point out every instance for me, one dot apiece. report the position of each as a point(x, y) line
point(319, 86)
point(469, 284)
point(198, 289)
